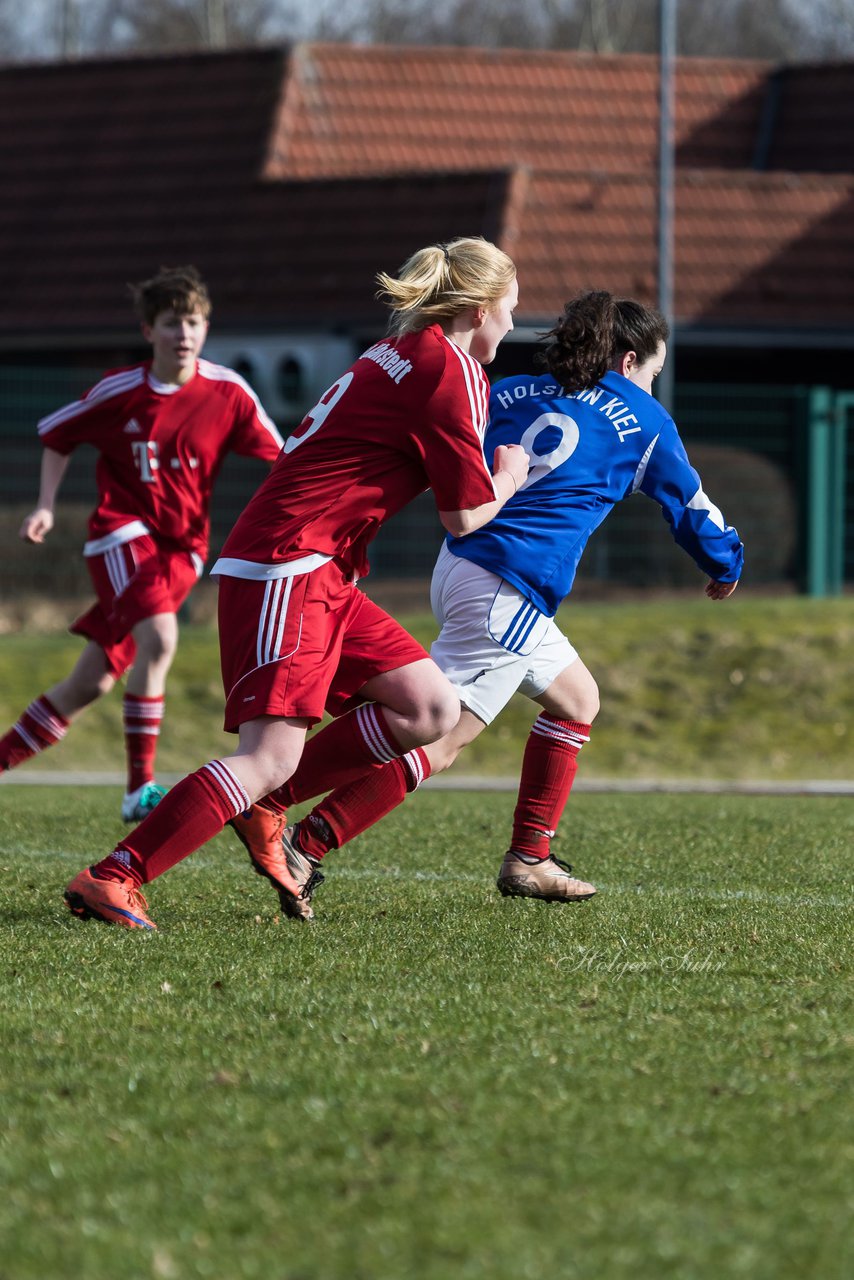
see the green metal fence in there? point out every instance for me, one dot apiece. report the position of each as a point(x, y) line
point(831, 488)
point(778, 460)
point(845, 409)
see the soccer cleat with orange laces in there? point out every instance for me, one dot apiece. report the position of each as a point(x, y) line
point(113, 901)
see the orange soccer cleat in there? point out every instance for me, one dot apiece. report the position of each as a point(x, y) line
point(260, 831)
point(113, 901)
point(274, 855)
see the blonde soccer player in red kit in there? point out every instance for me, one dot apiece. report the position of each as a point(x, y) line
point(297, 636)
point(161, 430)
point(596, 436)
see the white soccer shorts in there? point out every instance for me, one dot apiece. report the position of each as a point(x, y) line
point(493, 642)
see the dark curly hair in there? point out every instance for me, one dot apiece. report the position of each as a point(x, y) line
point(595, 330)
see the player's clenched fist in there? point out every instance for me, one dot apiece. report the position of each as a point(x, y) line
point(513, 459)
point(37, 525)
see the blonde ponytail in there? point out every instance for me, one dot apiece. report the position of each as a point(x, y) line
point(439, 282)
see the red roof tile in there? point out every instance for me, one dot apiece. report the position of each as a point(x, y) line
point(751, 246)
point(348, 109)
point(283, 254)
point(814, 119)
point(291, 176)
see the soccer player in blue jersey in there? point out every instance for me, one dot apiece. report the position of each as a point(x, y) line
point(595, 435)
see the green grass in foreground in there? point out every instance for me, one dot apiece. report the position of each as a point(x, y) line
point(432, 1082)
point(745, 689)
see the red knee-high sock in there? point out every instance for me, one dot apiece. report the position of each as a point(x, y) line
point(189, 815)
point(344, 750)
point(38, 728)
point(351, 809)
point(142, 720)
point(548, 772)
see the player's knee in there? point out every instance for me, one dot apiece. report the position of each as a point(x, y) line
point(104, 685)
point(156, 641)
point(576, 698)
point(583, 710)
point(441, 715)
point(589, 704)
point(158, 649)
point(262, 773)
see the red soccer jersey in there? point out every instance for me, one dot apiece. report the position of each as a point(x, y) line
point(409, 414)
point(160, 447)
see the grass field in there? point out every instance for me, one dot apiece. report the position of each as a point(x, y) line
point(432, 1083)
point(750, 688)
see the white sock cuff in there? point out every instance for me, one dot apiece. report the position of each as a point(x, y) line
point(372, 731)
point(559, 731)
point(37, 711)
point(414, 770)
point(229, 786)
point(142, 715)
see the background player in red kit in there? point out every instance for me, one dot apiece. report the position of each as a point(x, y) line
point(297, 637)
point(162, 430)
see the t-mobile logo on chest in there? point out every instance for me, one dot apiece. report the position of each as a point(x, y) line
point(146, 455)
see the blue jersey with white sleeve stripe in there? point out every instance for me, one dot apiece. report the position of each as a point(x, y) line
point(588, 450)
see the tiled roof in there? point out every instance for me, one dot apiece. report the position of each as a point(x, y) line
point(110, 167)
point(291, 176)
point(813, 119)
point(751, 246)
point(310, 251)
point(352, 110)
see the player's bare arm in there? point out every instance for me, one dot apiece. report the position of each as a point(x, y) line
point(509, 470)
point(38, 524)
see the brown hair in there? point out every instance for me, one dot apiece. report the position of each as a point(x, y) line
point(595, 331)
point(178, 289)
point(439, 282)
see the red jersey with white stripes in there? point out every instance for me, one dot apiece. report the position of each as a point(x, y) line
point(160, 447)
point(408, 415)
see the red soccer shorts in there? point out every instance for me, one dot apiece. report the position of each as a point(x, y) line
point(303, 645)
point(133, 582)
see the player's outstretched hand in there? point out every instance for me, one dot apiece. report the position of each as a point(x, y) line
point(513, 459)
point(720, 590)
point(37, 525)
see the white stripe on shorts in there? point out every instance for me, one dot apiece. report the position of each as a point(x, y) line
point(271, 623)
point(114, 561)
